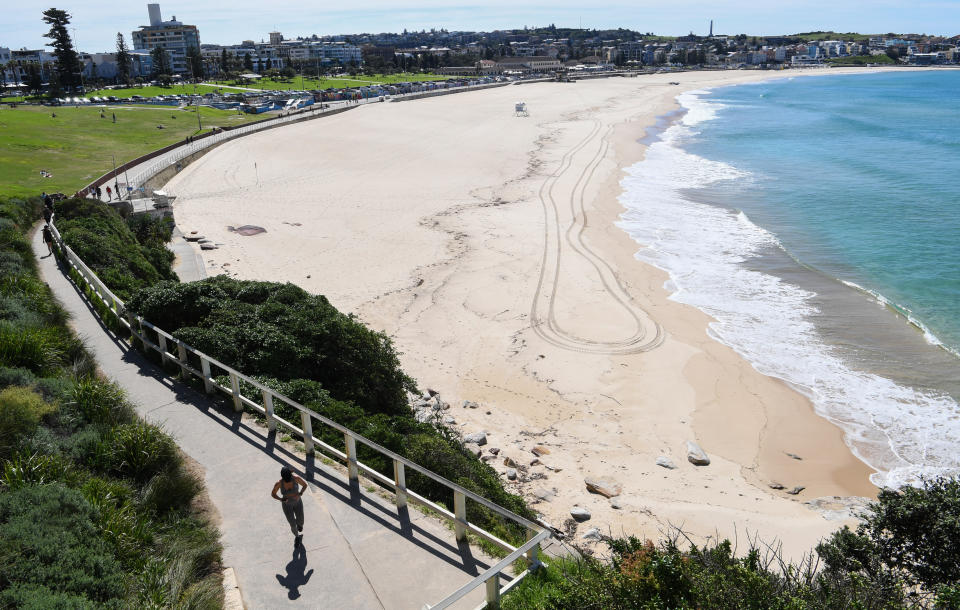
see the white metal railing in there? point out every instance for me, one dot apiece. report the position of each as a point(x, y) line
point(266, 406)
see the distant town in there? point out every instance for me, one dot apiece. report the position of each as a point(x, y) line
point(173, 50)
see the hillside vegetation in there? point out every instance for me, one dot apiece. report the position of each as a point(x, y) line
point(95, 503)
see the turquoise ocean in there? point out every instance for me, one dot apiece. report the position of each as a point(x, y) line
point(817, 219)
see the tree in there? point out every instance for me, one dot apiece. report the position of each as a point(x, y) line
point(195, 62)
point(68, 63)
point(161, 62)
point(34, 78)
point(224, 61)
point(248, 62)
point(893, 53)
point(122, 58)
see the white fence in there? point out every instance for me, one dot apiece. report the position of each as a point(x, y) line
point(176, 351)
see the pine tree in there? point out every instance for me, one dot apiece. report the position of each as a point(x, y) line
point(123, 61)
point(224, 61)
point(195, 62)
point(161, 63)
point(68, 63)
point(248, 62)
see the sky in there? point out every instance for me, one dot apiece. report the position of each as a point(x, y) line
point(97, 22)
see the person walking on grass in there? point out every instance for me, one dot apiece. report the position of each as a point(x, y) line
point(48, 239)
point(290, 490)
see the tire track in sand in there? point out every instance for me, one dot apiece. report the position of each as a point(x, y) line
point(557, 240)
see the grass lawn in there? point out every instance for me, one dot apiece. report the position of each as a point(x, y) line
point(337, 82)
point(77, 145)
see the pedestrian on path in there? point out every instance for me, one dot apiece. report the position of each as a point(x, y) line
point(110, 194)
point(48, 239)
point(290, 491)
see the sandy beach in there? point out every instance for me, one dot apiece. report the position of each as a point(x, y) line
point(484, 244)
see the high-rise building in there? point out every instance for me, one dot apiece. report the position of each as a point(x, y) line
point(172, 36)
point(276, 38)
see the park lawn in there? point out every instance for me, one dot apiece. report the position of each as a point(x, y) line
point(152, 91)
point(76, 146)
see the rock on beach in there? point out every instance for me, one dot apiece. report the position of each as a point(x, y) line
point(696, 455)
point(605, 488)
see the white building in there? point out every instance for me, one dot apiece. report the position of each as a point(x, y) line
point(172, 36)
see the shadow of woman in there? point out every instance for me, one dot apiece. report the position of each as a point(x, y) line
point(295, 577)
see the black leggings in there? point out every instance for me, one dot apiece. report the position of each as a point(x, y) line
point(294, 513)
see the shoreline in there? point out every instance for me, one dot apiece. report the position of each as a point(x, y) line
point(456, 307)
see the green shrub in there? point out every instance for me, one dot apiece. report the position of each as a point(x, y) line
point(20, 411)
point(39, 597)
point(16, 376)
point(38, 349)
point(171, 489)
point(100, 401)
point(48, 538)
point(25, 469)
point(103, 240)
point(138, 450)
point(909, 537)
point(280, 331)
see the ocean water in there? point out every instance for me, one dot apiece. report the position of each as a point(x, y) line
point(817, 219)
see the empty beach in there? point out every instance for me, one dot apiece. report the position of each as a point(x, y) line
point(485, 245)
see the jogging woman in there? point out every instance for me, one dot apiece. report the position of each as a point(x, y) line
point(290, 490)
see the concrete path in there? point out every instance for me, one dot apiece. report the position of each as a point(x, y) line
point(359, 550)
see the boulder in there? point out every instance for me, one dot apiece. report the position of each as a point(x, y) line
point(616, 503)
point(534, 461)
point(666, 462)
point(796, 490)
point(449, 419)
point(423, 416)
point(473, 448)
point(540, 450)
point(432, 392)
point(508, 462)
point(696, 455)
point(479, 438)
point(592, 534)
point(775, 485)
point(208, 246)
point(512, 474)
point(469, 404)
point(580, 514)
point(494, 450)
point(487, 457)
point(605, 488)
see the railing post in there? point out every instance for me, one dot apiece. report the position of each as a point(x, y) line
point(132, 320)
point(533, 555)
point(307, 426)
point(352, 469)
point(460, 512)
point(162, 342)
point(235, 389)
point(182, 357)
point(400, 483)
point(268, 407)
point(493, 592)
point(205, 369)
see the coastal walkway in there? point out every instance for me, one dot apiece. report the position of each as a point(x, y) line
point(359, 551)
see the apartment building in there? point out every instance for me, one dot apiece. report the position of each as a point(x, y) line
point(172, 36)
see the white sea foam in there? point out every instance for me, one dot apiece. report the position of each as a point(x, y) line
point(900, 431)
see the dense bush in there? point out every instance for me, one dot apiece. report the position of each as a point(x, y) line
point(104, 241)
point(905, 554)
point(911, 537)
point(49, 537)
point(281, 331)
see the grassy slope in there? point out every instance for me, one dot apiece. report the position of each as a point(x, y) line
point(152, 91)
point(77, 145)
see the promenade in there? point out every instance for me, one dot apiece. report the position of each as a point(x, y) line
point(359, 550)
